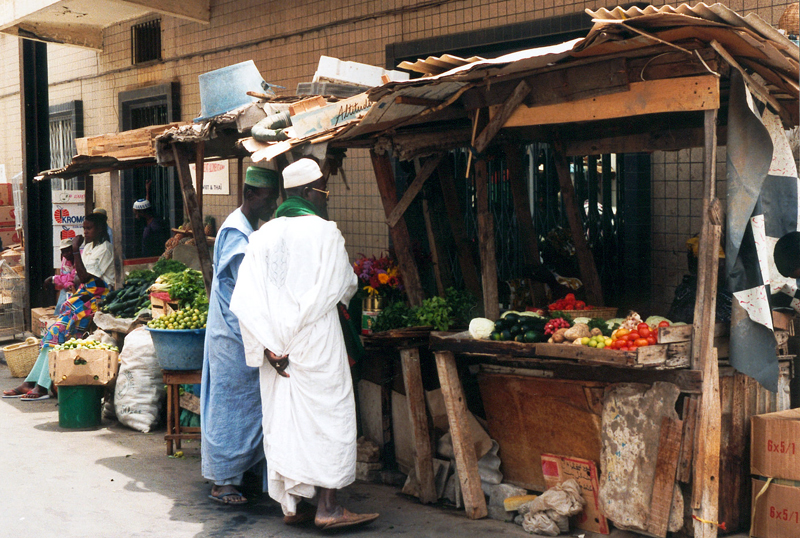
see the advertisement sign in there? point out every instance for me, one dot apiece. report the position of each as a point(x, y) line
point(215, 177)
point(69, 197)
point(68, 215)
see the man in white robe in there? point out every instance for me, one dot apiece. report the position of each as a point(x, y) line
point(294, 273)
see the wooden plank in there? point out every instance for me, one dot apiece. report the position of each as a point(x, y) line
point(648, 97)
point(529, 239)
point(469, 272)
point(501, 116)
point(683, 333)
point(413, 189)
point(679, 355)
point(384, 177)
point(669, 444)
point(690, 405)
point(585, 354)
point(415, 400)
point(190, 402)
point(463, 447)
point(486, 246)
point(588, 268)
point(88, 190)
point(433, 246)
point(116, 227)
point(127, 144)
point(655, 355)
point(307, 104)
point(330, 116)
point(416, 101)
point(199, 172)
point(196, 220)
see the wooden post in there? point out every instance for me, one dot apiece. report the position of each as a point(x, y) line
point(434, 248)
point(415, 399)
point(669, 445)
point(705, 485)
point(199, 173)
point(196, 221)
point(116, 227)
point(591, 280)
point(527, 229)
point(88, 190)
point(491, 304)
point(463, 446)
point(402, 241)
point(450, 198)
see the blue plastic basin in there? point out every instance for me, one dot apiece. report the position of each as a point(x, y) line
point(179, 349)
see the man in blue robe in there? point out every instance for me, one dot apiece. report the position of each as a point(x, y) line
point(230, 399)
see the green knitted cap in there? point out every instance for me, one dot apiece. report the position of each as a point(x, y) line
point(261, 177)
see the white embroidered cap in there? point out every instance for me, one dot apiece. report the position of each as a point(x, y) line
point(301, 172)
point(141, 203)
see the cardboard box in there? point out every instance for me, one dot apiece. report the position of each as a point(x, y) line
point(162, 305)
point(83, 366)
point(69, 197)
point(10, 236)
point(38, 313)
point(776, 512)
point(775, 445)
point(8, 218)
point(6, 194)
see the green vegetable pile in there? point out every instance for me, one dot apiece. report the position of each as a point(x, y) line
point(520, 328)
point(454, 310)
point(132, 298)
point(186, 287)
point(188, 318)
point(74, 343)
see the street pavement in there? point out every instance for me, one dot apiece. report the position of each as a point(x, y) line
point(114, 482)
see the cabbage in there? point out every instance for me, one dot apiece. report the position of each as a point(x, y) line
point(481, 328)
point(507, 312)
point(582, 320)
point(655, 320)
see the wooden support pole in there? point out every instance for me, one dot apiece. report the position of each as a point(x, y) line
point(433, 245)
point(687, 448)
point(469, 272)
point(196, 221)
point(415, 399)
point(199, 173)
point(88, 190)
point(419, 181)
point(384, 177)
point(588, 269)
point(116, 227)
point(491, 302)
point(499, 119)
point(463, 446)
point(527, 230)
point(705, 485)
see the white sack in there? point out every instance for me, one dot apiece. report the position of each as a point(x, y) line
point(139, 394)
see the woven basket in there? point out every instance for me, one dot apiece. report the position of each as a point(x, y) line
point(599, 312)
point(790, 20)
point(21, 357)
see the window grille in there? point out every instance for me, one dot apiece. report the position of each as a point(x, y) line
point(146, 41)
point(66, 124)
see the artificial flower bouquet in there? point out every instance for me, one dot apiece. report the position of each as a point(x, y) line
point(379, 276)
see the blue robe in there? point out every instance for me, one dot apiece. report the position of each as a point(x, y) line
point(230, 399)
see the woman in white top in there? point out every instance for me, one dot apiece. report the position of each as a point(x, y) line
point(95, 269)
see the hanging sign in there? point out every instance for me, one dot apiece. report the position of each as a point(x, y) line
point(215, 177)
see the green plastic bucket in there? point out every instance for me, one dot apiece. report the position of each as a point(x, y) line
point(80, 406)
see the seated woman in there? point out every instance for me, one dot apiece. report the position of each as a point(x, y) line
point(95, 269)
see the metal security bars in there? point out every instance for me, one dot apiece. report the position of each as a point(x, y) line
point(146, 41)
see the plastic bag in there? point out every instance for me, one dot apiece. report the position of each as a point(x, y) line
point(139, 395)
point(548, 514)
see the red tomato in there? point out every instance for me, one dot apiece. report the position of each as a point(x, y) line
point(664, 323)
point(632, 337)
point(651, 340)
point(644, 332)
point(625, 348)
point(640, 342)
point(643, 325)
point(580, 305)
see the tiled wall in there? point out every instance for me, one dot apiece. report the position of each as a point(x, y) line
point(285, 40)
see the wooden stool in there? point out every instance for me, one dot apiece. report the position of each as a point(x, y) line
point(173, 379)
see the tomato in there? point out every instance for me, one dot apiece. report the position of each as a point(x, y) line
point(633, 337)
point(625, 348)
point(643, 325)
point(651, 340)
point(644, 332)
point(664, 323)
point(640, 342)
point(580, 305)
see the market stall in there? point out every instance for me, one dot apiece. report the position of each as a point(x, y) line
point(641, 81)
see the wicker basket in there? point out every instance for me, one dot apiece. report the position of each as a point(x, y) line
point(790, 20)
point(21, 357)
point(598, 312)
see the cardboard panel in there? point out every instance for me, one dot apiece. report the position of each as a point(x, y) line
point(777, 510)
point(68, 214)
point(775, 444)
point(83, 366)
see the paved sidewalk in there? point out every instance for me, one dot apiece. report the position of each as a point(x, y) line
point(117, 482)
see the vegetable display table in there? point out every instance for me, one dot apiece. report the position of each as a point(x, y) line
point(173, 379)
